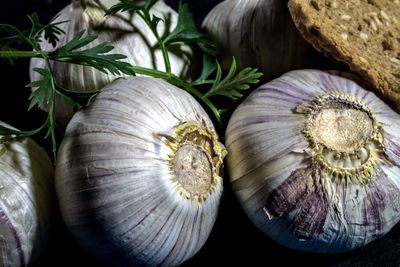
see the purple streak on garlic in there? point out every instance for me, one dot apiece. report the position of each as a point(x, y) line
point(11, 237)
point(129, 35)
point(314, 161)
point(301, 191)
point(26, 200)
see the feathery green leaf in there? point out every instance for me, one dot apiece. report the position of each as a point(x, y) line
point(187, 32)
point(233, 83)
point(96, 57)
point(41, 92)
point(130, 6)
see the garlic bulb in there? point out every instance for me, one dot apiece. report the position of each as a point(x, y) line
point(128, 34)
point(259, 34)
point(137, 174)
point(26, 197)
point(315, 161)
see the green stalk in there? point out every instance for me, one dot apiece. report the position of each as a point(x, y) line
point(173, 79)
point(145, 15)
point(52, 111)
point(51, 117)
point(19, 54)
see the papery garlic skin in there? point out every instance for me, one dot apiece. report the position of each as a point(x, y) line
point(26, 201)
point(259, 34)
point(314, 160)
point(129, 35)
point(137, 174)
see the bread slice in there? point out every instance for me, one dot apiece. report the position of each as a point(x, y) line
point(365, 34)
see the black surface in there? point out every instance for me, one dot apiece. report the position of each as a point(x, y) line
point(233, 241)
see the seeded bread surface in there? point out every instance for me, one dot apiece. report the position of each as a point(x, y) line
point(365, 34)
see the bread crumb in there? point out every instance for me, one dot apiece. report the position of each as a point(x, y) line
point(377, 20)
point(363, 60)
point(394, 60)
point(384, 15)
point(315, 5)
point(344, 36)
point(345, 17)
point(334, 4)
point(363, 36)
point(373, 25)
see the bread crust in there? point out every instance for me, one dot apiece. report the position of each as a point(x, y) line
point(333, 29)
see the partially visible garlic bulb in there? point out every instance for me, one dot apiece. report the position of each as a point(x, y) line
point(259, 34)
point(26, 201)
point(128, 34)
point(315, 161)
point(138, 174)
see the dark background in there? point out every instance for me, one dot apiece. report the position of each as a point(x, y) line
point(233, 241)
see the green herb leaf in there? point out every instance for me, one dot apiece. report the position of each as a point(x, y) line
point(6, 47)
point(33, 35)
point(122, 6)
point(35, 28)
point(130, 6)
point(15, 35)
point(7, 134)
point(96, 57)
point(44, 94)
point(233, 83)
point(209, 66)
point(150, 3)
point(155, 20)
point(187, 32)
point(75, 99)
point(52, 31)
point(40, 95)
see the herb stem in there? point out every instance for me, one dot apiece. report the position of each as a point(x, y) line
point(145, 15)
point(19, 54)
point(173, 79)
point(52, 110)
point(51, 117)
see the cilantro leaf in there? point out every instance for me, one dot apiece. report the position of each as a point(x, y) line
point(95, 57)
point(187, 32)
point(233, 83)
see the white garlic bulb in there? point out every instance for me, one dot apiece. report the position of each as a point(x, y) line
point(137, 174)
point(259, 34)
point(315, 161)
point(26, 201)
point(128, 34)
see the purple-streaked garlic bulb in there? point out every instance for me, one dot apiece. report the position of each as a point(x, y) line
point(138, 174)
point(315, 161)
point(129, 35)
point(26, 200)
point(259, 34)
